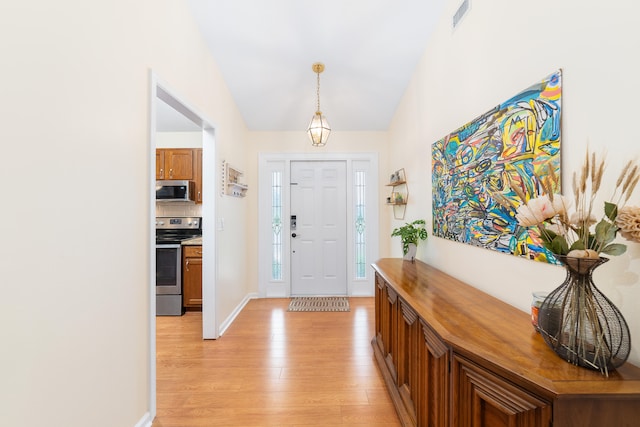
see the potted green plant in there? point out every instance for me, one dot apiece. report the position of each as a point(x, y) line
point(410, 234)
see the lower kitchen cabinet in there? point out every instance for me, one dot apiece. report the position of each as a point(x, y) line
point(454, 356)
point(192, 277)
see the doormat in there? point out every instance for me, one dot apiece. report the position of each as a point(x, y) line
point(319, 304)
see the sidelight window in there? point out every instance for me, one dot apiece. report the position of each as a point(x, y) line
point(360, 225)
point(276, 225)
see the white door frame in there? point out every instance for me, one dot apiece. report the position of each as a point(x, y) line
point(268, 288)
point(161, 91)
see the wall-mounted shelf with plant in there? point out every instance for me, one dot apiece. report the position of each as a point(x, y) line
point(399, 193)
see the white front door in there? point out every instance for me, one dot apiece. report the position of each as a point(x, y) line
point(318, 237)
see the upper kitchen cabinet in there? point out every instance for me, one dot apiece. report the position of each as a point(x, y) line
point(175, 163)
point(159, 164)
point(197, 174)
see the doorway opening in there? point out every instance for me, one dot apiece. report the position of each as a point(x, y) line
point(168, 109)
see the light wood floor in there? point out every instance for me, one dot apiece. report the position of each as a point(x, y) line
point(272, 368)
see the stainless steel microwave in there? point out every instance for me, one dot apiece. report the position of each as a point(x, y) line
point(174, 191)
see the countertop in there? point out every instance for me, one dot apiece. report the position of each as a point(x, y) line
point(195, 241)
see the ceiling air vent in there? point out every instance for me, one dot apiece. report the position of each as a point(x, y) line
point(462, 10)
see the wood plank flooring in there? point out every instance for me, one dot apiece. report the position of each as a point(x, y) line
point(272, 368)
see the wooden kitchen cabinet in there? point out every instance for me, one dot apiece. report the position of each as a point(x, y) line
point(175, 163)
point(197, 174)
point(454, 356)
point(160, 163)
point(192, 277)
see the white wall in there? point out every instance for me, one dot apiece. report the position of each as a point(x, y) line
point(179, 139)
point(500, 48)
point(74, 122)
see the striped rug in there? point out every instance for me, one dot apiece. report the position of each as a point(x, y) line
point(319, 304)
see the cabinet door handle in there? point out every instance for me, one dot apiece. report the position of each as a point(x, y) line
point(199, 252)
point(186, 264)
point(170, 173)
point(161, 173)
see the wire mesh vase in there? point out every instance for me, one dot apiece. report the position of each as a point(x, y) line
point(581, 324)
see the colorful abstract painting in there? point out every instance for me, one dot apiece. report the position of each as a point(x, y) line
point(514, 144)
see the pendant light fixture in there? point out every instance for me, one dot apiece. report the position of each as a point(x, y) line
point(319, 128)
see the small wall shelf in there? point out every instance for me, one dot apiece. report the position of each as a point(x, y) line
point(231, 181)
point(399, 193)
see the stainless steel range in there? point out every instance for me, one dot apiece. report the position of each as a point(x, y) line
point(170, 232)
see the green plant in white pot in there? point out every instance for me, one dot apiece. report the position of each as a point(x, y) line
point(410, 234)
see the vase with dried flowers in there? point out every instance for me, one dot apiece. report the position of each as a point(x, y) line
point(577, 320)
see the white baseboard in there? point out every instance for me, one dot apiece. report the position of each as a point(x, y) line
point(145, 421)
point(276, 290)
point(362, 289)
point(229, 320)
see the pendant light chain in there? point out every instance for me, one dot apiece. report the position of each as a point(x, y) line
point(318, 91)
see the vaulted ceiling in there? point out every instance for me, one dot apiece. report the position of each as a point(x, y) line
point(265, 50)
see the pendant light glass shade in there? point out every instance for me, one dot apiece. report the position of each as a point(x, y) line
point(319, 128)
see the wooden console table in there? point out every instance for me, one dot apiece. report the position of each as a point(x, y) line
point(452, 355)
